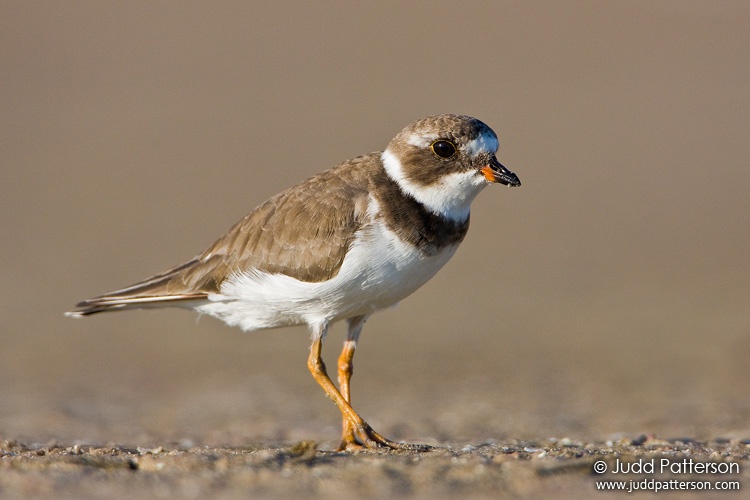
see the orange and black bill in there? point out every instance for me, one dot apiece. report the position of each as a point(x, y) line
point(496, 172)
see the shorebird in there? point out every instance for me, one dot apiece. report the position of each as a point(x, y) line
point(341, 245)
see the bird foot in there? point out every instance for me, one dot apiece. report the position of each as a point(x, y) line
point(374, 441)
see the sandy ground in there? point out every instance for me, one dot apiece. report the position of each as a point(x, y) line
point(601, 310)
point(301, 470)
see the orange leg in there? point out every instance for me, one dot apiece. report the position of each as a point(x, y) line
point(359, 427)
point(346, 369)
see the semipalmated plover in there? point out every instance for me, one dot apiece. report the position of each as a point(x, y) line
point(341, 245)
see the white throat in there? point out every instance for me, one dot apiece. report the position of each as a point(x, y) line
point(450, 196)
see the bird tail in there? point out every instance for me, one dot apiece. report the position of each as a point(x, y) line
point(165, 289)
point(106, 304)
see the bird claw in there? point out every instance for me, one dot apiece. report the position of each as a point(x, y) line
point(374, 441)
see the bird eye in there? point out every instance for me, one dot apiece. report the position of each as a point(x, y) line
point(443, 148)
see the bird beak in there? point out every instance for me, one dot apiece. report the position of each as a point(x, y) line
point(496, 172)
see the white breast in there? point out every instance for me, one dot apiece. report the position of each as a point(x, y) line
point(378, 271)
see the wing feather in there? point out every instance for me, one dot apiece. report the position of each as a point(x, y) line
point(303, 232)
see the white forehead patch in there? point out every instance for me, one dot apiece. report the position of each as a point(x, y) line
point(486, 142)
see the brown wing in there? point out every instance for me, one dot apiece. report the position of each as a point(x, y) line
point(303, 232)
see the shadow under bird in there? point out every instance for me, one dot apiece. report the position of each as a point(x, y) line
point(341, 245)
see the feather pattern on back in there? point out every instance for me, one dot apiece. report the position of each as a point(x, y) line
point(298, 233)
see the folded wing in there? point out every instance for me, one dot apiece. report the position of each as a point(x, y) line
point(303, 232)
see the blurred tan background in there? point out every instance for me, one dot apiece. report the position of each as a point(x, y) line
point(607, 297)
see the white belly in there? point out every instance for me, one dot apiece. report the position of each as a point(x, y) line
point(379, 270)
